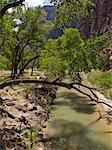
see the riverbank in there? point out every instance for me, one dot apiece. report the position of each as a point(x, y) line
point(24, 114)
point(106, 111)
point(75, 125)
point(102, 80)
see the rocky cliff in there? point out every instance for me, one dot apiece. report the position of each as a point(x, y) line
point(50, 15)
point(101, 22)
point(102, 17)
point(50, 12)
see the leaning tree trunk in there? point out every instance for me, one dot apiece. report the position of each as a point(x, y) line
point(21, 71)
point(92, 94)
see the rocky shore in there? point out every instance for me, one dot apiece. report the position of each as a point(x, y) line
point(24, 112)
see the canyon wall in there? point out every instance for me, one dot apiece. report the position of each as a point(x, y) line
point(102, 17)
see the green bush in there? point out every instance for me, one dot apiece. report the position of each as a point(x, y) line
point(102, 79)
point(32, 135)
point(105, 80)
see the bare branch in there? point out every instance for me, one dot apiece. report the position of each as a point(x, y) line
point(10, 5)
point(66, 85)
point(27, 63)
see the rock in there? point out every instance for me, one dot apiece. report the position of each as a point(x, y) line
point(28, 112)
point(23, 119)
point(40, 146)
point(1, 101)
point(10, 104)
point(110, 62)
point(43, 124)
point(102, 21)
point(21, 108)
point(31, 107)
point(39, 109)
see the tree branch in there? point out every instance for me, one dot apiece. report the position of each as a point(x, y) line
point(27, 63)
point(62, 84)
point(2, 43)
point(10, 5)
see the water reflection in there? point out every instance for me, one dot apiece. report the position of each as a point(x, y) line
point(74, 126)
point(72, 136)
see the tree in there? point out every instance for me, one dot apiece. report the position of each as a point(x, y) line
point(24, 35)
point(68, 55)
point(71, 55)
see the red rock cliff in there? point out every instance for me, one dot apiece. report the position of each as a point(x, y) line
point(102, 21)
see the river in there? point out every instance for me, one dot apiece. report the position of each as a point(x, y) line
point(74, 124)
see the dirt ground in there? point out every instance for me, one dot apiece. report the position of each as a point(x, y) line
point(24, 114)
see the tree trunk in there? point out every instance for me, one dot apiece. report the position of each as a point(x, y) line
point(14, 70)
point(23, 68)
point(32, 67)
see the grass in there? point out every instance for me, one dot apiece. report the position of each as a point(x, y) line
point(32, 136)
point(102, 80)
point(4, 74)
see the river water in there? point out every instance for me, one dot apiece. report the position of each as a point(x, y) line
point(74, 124)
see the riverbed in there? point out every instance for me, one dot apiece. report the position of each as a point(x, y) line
point(74, 124)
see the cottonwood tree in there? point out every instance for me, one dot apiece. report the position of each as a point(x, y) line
point(68, 55)
point(26, 34)
point(5, 28)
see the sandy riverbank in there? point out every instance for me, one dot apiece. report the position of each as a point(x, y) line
point(104, 111)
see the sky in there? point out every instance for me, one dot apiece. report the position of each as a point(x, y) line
point(34, 3)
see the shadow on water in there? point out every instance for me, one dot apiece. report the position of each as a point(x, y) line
point(72, 136)
point(76, 102)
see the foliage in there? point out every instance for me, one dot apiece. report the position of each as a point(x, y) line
point(102, 79)
point(93, 47)
point(2, 2)
point(22, 35)
point(70, 54)
point(4, 63)
point(32, 135)
point(72, 10)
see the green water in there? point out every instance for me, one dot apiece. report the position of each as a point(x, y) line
point(74, 125)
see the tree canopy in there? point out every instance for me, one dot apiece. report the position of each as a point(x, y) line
point(22, 35)
point(70, 54)
point(23, 40)
point(72, 10)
